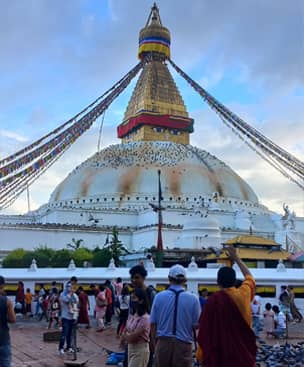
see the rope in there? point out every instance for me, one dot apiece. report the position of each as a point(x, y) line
point(100, 132)
point(13, 186)
point(215, 104)
point(271, 151)
point(59, 128)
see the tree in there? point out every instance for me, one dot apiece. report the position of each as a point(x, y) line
point(44, 256)
point(101, 257)
point(16, 259)
point(81, 255)
point(62, 258)
point(115, 246)
point(75, 245)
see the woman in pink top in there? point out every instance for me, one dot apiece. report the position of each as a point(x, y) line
point(137, 330)
point(268, 320)
point(100, 308)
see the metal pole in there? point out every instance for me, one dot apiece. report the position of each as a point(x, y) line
point(160, 216)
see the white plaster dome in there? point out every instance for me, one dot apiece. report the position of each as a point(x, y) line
point(198, 222)
point(125, 172)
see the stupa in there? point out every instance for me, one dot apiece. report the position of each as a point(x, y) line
point(205, 202)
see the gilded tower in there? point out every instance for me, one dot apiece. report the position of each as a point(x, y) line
point(156, 110)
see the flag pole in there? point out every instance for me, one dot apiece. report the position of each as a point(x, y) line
point(160, 249)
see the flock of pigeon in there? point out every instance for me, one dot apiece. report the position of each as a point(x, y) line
point(285, 355)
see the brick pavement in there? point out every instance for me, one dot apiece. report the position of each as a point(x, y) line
point(29, 350)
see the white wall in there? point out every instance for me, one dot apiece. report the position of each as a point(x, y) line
point(12, 238)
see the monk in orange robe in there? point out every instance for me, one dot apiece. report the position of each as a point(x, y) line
point(225, 335)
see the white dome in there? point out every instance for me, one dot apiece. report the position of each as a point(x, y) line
point(129, 171)
point(202, 223)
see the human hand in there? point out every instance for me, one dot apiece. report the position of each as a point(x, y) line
point(231, 253)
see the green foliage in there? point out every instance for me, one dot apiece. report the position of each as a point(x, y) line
point(48, 257)
point(15, 259)
point(75, 245)
point(101, 257)
point(81, 255)
point(115, 247)
point(61, 258)
point(44, 256)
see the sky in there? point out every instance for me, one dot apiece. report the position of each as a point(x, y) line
point(58, 56)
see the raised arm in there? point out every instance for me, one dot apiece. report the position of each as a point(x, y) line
point(234, 258)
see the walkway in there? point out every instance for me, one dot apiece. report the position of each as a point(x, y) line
point(29, 350)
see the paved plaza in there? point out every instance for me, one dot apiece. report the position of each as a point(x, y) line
point(29, 349)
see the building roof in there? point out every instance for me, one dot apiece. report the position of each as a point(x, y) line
point(251, 240)
point(253, 254)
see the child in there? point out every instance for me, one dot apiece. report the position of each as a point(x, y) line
point(53, 308)
point(268, 320)
point(137, 330)
point(44, 306)
point(28, 302)
point(279, 322)
point(124, 302)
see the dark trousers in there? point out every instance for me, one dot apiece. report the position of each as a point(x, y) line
point(109, 313)
point(66, 333)
point(123, 317)
point(5, 355)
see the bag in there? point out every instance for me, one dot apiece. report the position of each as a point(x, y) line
point(101, 303)
point(55, 306)
point(151, 292)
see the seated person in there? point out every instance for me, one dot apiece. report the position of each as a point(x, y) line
point(279, 322)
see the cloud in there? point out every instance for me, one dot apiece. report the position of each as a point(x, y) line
point(57, 56)
point(13, 135)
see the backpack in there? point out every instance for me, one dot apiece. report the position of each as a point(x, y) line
point(55, 305)
point(151, 292)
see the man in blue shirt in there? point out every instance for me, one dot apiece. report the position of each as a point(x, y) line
point(174, 316)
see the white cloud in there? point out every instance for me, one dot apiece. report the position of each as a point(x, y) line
point(13, 135)
point(57, 56)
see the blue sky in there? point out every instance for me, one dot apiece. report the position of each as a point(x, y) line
point(56, 57)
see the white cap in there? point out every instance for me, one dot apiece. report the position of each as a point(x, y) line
point(177, 272)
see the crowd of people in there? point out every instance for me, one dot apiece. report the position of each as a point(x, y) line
point(275, 317)
point(159, 329)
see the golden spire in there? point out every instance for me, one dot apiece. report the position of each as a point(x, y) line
point(154, 37)
point(156, 110)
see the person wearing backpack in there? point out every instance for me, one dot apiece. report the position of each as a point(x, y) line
point(100, 308)
point(174, 317)
point(138, 275)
